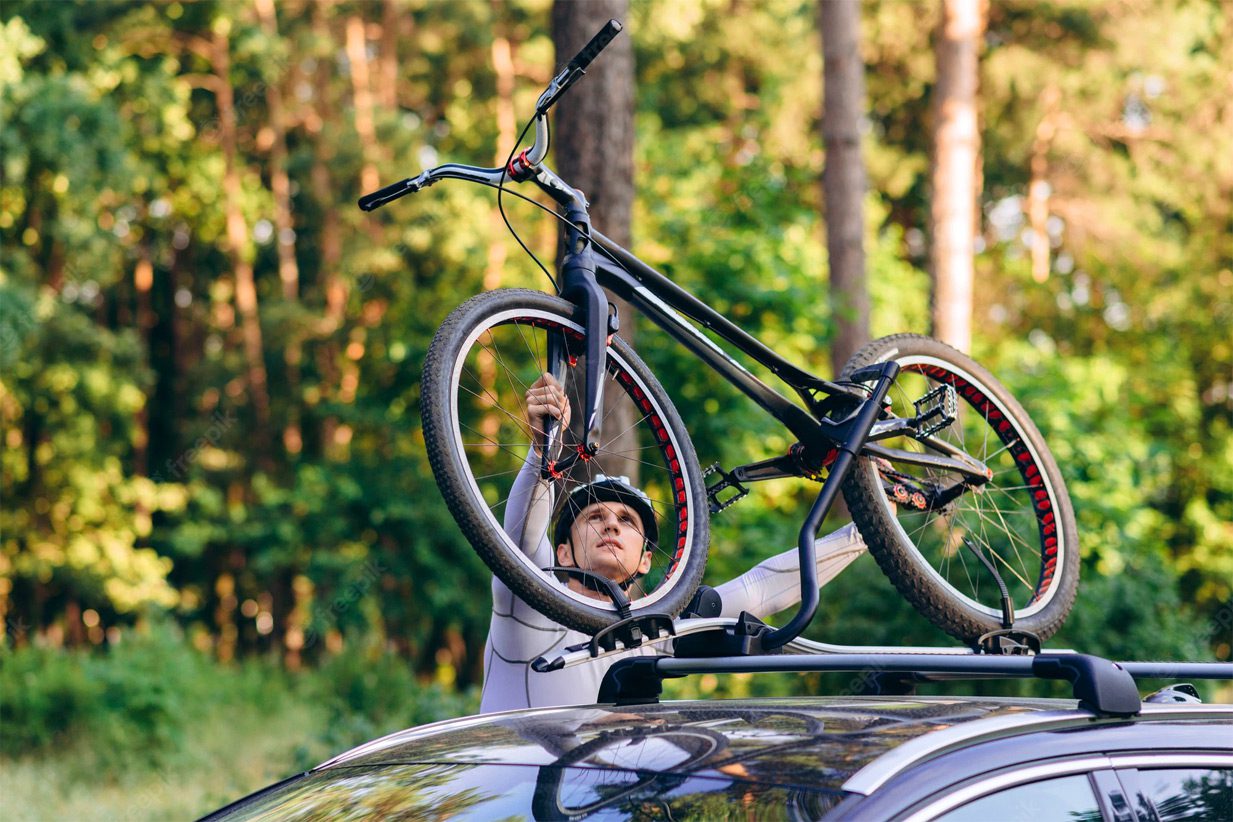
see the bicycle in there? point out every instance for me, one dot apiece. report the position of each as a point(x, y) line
point(945, 475)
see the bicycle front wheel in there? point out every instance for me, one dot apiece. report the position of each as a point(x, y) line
point(478, 369)
point(925, 527)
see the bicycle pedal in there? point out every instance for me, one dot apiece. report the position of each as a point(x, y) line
point(935, 410)
point(726, 482)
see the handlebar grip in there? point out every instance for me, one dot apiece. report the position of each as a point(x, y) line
point(592, 49)
point(388, 194)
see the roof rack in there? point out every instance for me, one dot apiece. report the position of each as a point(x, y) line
point(1101, 686)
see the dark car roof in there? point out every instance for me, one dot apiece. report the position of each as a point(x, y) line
point(816, 742)
point(811, 756)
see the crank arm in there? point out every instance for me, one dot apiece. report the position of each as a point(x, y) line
point(773, 468)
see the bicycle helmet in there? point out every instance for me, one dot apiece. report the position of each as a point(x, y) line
point(606, 489)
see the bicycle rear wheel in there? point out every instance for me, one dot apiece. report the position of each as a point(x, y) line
point(479, 366)
point(1021, 520)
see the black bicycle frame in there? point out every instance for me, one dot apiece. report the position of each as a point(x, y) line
point(660, 299)
point(840, 440)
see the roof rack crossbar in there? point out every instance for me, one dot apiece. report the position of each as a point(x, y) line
point(1100, 685)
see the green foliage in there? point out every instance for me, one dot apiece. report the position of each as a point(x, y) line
point(137, 699)
point(368, 693)
point(139, 475)
point(140, 706)
point(73, 395)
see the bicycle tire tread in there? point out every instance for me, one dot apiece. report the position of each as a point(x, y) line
point(475, 526)
point(862, 492)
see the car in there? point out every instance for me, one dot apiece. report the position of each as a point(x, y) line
point(1103, 755)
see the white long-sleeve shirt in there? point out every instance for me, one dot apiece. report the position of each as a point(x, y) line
point(518, 634)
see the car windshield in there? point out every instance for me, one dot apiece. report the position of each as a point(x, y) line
point(438, 791)
point(776, 757)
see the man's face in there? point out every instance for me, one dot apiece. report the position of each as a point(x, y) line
point(607, 539)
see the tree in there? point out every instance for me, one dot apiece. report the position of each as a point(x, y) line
point(843, 180)
point(594, 141)
point(956, 152)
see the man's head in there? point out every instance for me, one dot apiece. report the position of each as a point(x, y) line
point(608, 527)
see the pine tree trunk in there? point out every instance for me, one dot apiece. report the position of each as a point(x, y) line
point(594, 142)
point(361, 89)
point(329, 276)
point(239, 248)
point(503, 66)
point(956, 147)
point(288, 268)
point(322, 179)
point(391, 28)
point(843, 179)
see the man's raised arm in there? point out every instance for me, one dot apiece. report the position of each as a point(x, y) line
point(529, 509)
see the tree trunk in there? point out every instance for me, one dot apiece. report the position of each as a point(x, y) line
point(362, 98)
point(594, 143)
point(361, 89)
point(956, 147)
point(288, 268)
point(843, 179)
point(503, 66)
point(391, 28)
point(239, 247)
point(330, 248)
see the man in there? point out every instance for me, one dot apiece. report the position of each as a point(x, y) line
point(604, 528)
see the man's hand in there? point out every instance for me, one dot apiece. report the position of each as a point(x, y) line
point(545, 399)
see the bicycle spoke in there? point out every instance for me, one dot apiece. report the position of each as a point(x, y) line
point(1011, 539)
point(494, 402)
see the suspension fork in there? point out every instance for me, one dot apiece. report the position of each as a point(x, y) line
point(579, 286)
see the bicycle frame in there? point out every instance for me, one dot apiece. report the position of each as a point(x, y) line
point(663, 302)
point(660, 299)
point(582, 274)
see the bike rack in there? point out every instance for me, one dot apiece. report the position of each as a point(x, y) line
point(1106, 688)
point(855, 431)
point(703, 638)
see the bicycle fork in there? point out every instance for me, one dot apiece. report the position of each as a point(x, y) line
point(579, 286)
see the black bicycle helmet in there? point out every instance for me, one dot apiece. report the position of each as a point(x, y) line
point(606, 489)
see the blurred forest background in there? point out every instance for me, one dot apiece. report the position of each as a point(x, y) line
point(217, 509)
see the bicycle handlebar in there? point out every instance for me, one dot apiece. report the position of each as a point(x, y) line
point(576, 67)
point(600, 41)
point(390, 193)
point(531, 158)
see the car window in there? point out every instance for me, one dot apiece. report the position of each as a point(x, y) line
point(1064, 799)
point(1198, 794)
point(440, 791)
